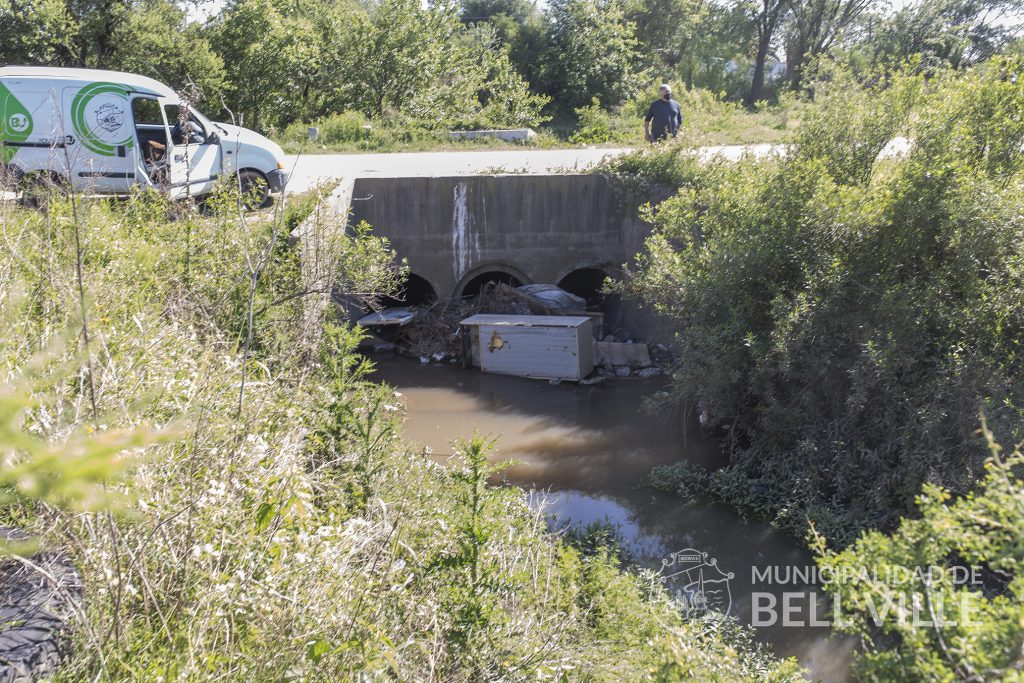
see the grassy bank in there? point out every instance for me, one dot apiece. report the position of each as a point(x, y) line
point(269, 523)
point(706, 117)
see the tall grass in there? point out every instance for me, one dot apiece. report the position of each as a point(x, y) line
point(286, 532)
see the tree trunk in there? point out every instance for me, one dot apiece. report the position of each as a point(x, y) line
point(756, 92)
point(767, 19)
point(796, 64)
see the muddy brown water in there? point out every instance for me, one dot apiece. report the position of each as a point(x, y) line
point(586, 453)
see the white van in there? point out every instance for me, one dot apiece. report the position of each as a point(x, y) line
point(104, 132)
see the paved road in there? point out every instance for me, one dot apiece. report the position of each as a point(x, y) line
point(308, 169)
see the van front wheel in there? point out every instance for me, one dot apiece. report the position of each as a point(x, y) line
point(255, 189)
point(39, 190)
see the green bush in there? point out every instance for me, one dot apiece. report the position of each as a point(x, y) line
point(682, 478)
point(347, 127)
point(919, 618)
point(849, 315)
point(595, 126)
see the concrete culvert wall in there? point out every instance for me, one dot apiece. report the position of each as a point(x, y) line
point(453, 229)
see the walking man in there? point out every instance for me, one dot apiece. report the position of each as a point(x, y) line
point(663, 116)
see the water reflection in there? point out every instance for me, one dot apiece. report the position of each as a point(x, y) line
point(585, 453)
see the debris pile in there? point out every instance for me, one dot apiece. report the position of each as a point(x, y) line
point(432, 332)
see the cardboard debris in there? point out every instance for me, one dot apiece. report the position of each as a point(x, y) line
point(615, 354)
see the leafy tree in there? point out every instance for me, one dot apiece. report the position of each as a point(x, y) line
point(259, 45)
point(716, 55)
point(591, 53)
point(945, 32)
point(517, 24)
point(38, 32)
point(667, 29)
point(816, 26)
point(149, 37)
point(476, 11)
point(506, 99)
point(396, 49)
point(766, 15)
point(155, 41)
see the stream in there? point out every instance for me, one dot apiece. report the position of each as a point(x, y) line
point(585, 452)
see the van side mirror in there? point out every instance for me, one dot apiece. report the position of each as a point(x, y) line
point(213, 139)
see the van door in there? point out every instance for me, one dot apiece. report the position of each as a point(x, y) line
point(195, 159)
point(103, 161)
point(152, 140)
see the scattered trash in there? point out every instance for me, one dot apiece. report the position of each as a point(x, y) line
point(389, 317)
point(538, 330)
point(612, 354)
point(555, 298)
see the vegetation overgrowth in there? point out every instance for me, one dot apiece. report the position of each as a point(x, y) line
point(948, 582)
point(849, 316)
point(244, 507)
point(845, 315)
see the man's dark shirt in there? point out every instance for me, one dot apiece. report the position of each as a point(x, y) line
point(665, 117)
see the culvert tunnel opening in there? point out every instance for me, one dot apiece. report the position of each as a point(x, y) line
point(491, 277)
point(414, 291)
point(588, 283)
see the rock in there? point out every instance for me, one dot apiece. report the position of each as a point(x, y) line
point(647, 373)
point(424, 360)
point(554, 382)
point(596, 379)
point(438, 357)
point(623, 371)
point(610, 338)
point(382, 348)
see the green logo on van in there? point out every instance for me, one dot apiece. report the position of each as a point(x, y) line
point(15, 123)
point(101, 116)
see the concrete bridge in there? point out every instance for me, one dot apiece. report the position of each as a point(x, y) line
point(458, 233)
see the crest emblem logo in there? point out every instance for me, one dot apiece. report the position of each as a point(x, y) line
point(18, 123)
point(110, 118)
point(696, 582)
